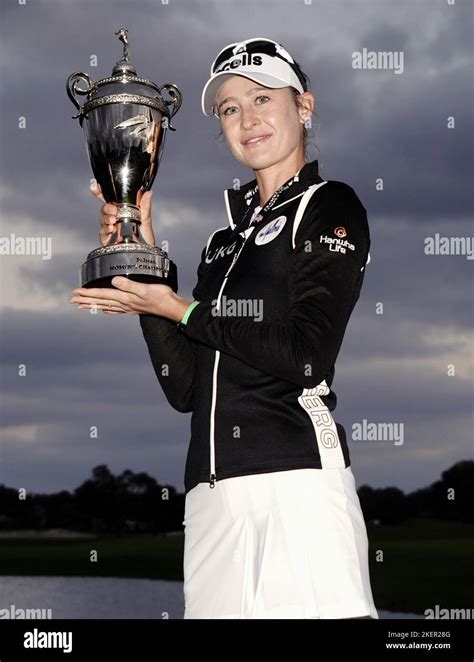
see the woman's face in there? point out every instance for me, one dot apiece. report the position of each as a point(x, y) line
point(261, 125)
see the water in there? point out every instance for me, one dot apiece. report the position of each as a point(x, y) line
point(103, 597)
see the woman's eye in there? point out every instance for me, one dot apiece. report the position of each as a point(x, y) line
point(231, 108)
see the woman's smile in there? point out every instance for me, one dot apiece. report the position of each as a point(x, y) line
point(256, 141)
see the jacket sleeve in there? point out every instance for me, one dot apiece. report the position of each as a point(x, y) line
point(172, 355)
point(324, 284)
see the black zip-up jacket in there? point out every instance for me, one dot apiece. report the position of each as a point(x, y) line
point(255, 360)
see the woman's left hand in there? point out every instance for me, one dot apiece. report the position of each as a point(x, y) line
point(133, 298)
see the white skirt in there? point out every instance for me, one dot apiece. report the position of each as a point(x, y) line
point(285, 544)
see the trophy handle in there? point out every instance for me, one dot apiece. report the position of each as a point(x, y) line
point(72, 88)
point(175, 101)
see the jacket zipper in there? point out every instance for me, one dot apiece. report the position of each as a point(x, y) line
point(212, 475)
point(257, 210)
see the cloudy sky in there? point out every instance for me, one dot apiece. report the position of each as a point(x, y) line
point(86, 370)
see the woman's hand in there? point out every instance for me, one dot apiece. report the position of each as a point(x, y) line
point(108, 216)
point(128, 296)
point(133, 298)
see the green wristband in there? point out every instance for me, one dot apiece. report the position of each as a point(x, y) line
point(189, 309)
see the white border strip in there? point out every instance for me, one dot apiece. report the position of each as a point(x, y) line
point(302, 207)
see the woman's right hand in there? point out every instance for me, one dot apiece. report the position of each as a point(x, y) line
point(108, 218)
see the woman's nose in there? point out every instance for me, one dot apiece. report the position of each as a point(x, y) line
point(248, 118)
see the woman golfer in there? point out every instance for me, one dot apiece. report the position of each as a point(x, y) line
point(273, 524)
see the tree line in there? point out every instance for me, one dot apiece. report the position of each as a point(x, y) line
point(136, 502)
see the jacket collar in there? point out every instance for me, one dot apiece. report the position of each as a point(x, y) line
point(236, 200)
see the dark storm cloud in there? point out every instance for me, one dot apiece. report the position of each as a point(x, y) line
point(92, 385)
point(370, 125)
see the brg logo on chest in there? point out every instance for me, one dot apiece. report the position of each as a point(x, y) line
point(270, 231)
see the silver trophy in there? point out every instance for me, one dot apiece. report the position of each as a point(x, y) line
point(125, 119)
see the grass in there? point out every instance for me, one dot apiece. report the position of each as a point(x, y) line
point(425, 562)
point(146, 556)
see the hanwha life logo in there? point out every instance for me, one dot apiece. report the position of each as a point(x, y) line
point(270, 231)
point(340, 232)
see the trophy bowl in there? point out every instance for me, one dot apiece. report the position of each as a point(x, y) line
point(125, 120)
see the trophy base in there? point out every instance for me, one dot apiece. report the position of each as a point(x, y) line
point(139, 262)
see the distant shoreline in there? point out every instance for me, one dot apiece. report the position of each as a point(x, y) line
point(52, 534)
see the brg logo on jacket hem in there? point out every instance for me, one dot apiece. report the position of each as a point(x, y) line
point(270, 231)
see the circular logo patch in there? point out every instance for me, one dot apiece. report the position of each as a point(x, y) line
point(270, 231)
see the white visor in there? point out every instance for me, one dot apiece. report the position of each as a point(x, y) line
point(267, 70)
